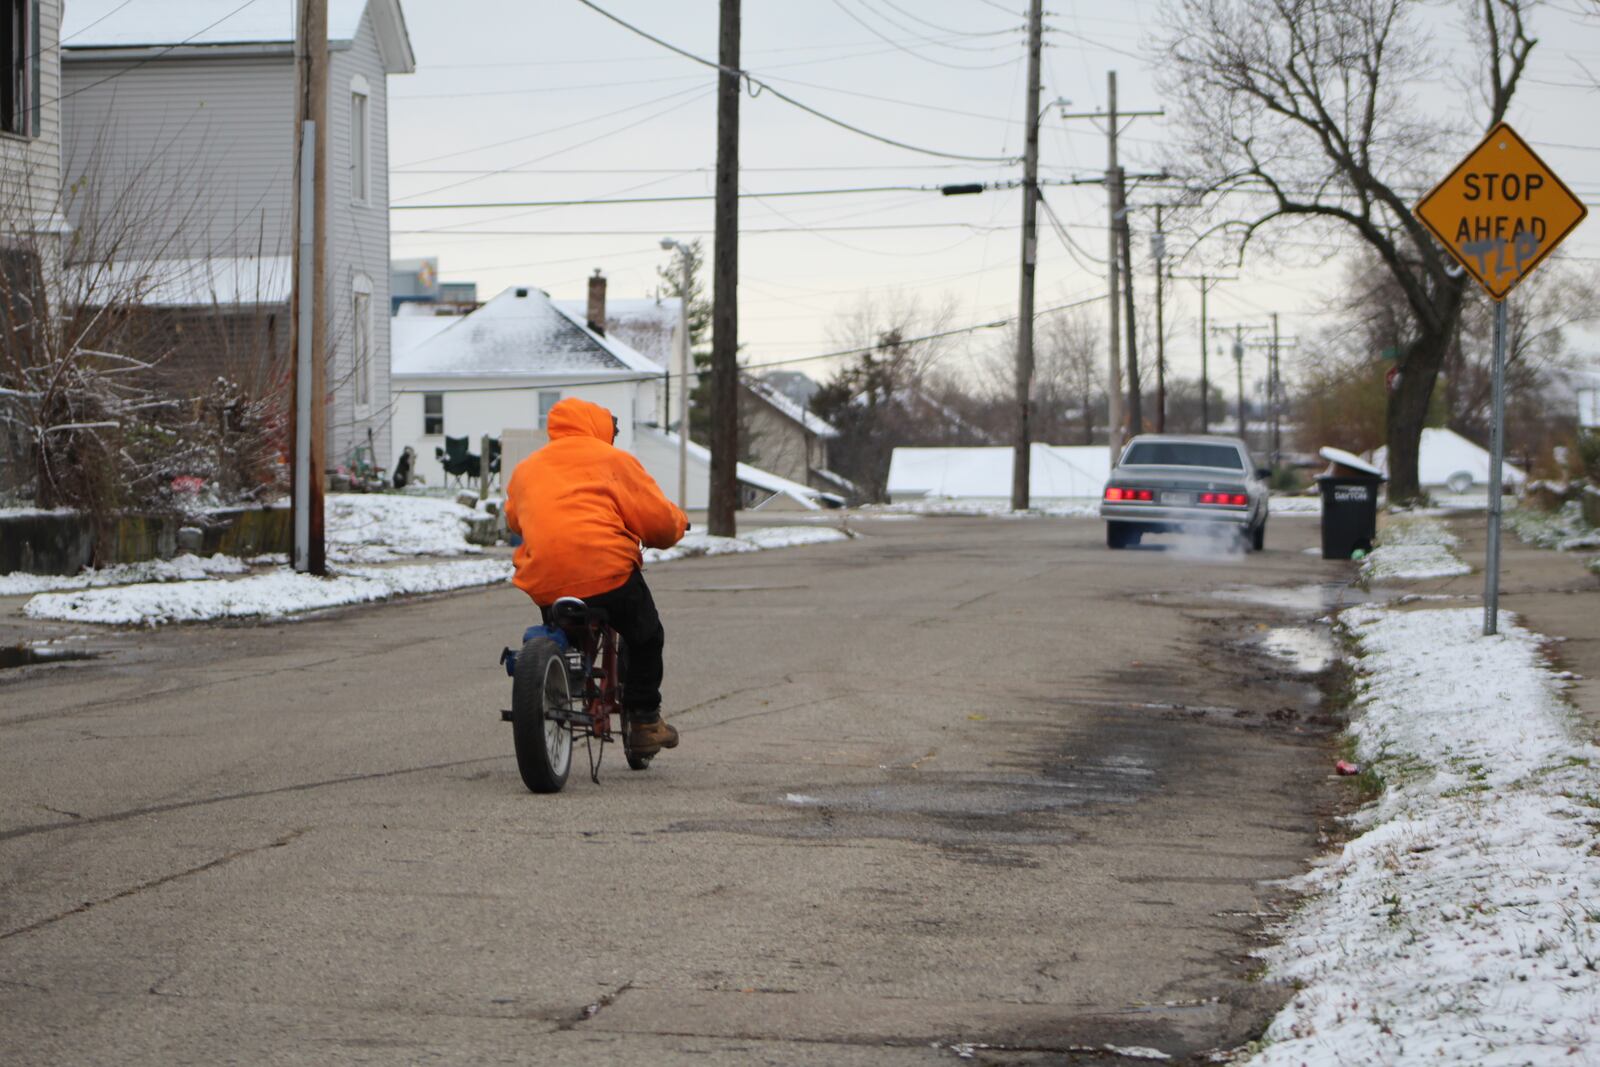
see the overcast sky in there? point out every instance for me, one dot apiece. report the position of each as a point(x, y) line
point(566, 104)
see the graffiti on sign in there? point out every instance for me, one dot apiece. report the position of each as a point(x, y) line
point(1501, 211)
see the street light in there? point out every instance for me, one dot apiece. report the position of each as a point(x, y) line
point(669, 244)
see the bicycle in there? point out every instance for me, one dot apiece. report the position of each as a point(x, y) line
point(576, 652)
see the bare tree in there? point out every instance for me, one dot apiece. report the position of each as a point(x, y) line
point(881, 398)
point(1306, 110)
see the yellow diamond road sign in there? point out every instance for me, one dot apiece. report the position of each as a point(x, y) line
point(1501, 211)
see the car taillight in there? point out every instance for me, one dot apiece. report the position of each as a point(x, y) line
point(1116, 492)
point(1228, 500)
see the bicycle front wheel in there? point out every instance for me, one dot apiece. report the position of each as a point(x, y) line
point(544, 743)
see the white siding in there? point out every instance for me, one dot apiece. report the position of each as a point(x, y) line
point(493, 405)
point(30, 167)
point(200, 151)
point(358, 244)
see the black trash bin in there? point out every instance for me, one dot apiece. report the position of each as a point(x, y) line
point(1349, 513)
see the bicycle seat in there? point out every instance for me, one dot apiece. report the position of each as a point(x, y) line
point(570, 611)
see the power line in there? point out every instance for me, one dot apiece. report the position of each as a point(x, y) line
point(762, 86)
point(946, 29)
point(973, 226)
point(555, 129)
point(679, 171)
point(685, 198)
point(913, 52)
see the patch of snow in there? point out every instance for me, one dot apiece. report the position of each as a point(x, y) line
point(1136, 1052)
point(1461, 926)
point(1309, 650)
point(1404, 562)
point(696, 543)
point(1414, 547)
point(178, 569)
point(378, 527)
point(800, 798)
point(274, 595)
point(1294, 505)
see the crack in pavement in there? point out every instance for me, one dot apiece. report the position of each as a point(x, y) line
point(179, 805)
point(222, 860)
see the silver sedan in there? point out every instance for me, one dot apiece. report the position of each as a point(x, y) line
point(1165, 483)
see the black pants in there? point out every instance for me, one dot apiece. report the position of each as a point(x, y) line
point(632, 613)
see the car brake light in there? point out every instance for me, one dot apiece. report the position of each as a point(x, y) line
point(1231, 500)
point(1116, 492)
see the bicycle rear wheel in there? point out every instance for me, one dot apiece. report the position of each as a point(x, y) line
point(544, 744)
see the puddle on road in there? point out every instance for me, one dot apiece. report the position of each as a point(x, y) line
point(1322, 597)
point(27, 655)
point(1307, 649)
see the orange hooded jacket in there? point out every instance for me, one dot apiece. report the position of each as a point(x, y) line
point(582, 508)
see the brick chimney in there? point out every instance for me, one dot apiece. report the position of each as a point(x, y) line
point(597, 303)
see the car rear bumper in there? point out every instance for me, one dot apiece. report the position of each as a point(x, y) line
point(1156, 515)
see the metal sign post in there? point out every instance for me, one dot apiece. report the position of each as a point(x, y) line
point(1499, 213)
point(1497, 455)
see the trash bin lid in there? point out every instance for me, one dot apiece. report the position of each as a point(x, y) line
point(1355, 464)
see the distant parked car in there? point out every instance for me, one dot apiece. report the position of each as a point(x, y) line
point(1164, 483)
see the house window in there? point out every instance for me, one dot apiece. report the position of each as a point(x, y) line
point(432, 414)
point(19, 89)
point(360, 141)
point(546, 402)
point(361, 343)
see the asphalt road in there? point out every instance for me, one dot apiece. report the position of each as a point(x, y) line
point(956, 781)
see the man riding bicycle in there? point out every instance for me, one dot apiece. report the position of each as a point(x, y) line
point(582, 507)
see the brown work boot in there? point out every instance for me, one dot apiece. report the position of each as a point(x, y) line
point(648, 738)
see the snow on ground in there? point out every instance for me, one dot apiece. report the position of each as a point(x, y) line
point(379, 527)
point(1463, 924)
point(1564, 529)
point(282, 592)
point(1294, 505)
point(1414, 547)
point(273, 595)
point(182, 568)
point(757, 539)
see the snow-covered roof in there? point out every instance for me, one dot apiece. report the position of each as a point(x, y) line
point(193, 282)
point(813, 423)
point(1054, 472)
point(1443, 453)
point(648, 326)
point(99, 24)
point(744, 472)
point(519, 333)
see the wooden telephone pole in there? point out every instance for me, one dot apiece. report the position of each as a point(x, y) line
point(1021, 459)
point(309, 412)
point(725, 288)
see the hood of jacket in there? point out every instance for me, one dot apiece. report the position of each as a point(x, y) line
point(574, 417)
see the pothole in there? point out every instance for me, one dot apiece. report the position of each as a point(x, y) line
point(27, 655)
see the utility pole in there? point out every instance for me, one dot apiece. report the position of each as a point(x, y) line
point(309, 412)
point(1158, 245)
point(1135, 393)
point(1272, 391)
point(1238, 331)
point(1020, 462)
point(725, 287)
point(1114, 189)
point(1114, 205)
point(1207, 282)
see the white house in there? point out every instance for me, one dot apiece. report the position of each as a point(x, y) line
point(179, 114)
point(30, 126)
point(503, 366)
